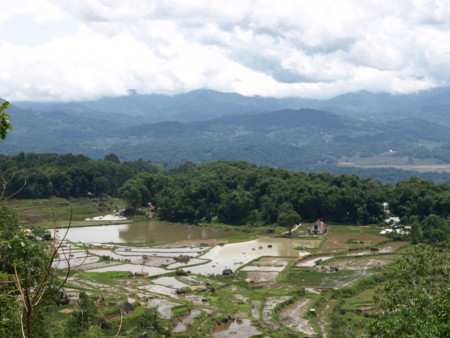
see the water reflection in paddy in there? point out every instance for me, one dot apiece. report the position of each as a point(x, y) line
point(158, 232)
point(231, 256)
point(241, 329)
point(152, 271)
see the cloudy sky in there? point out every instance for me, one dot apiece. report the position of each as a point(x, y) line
point(83, 49)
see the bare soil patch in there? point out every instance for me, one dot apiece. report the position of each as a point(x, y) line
point(394, 245)
point(273, 261)
point(335, 242)
point(292, 317)
point(362, 263)
point(191, 243)
point(263, 276)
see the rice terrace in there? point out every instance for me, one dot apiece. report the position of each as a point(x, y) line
point(238, 284)
point(229, 169)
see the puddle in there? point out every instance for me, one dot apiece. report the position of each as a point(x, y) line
point(261, 276)
point(164, 290)
point(256, 306)
point(159, 254)
point(75, 263)
point(164, 306)
point(241, 329)
point(100, 252)
point(186, 321)
point(273, 261)
point(314, 291)
point(98, 265)
point(194, 299)
point(134, 251)
point(361, 253)
point(291, 316)
point(269, 305)
point(241, 297)
point(74, 257)
point(152, 271)
point(362, 263)
point(263, 268)
point(171, 282)
point(312, 262)
point(233, 255)
point(153, 260)
point(193, 261)
point(88, 284)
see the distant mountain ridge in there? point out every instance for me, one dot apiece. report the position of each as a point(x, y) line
point(198, 105)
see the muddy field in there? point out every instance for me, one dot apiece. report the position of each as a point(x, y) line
point(336, 242)
point(184, 281)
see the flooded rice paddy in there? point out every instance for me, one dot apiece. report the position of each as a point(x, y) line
point(157, 232)
point(241, 328)
point(234, 255)
point(261, 261)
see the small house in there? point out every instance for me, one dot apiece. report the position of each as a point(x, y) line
point(318, 228)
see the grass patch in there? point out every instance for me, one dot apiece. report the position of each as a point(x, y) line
point(361, 299)
point(180, 309)
point(48, 212)
point(108, 274)
point(310, 278)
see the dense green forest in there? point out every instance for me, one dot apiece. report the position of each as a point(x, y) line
point(230, 192)
point(242, 193)
point(47, 175)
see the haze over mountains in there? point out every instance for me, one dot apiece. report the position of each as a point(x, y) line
point(204, 125)
point(431, 105)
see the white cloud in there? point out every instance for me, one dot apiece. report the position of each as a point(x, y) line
point(80, 49)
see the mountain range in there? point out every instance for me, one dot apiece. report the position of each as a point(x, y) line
point(431, 105)
point(204, 125)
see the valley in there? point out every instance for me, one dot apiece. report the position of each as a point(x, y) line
point(276, 286)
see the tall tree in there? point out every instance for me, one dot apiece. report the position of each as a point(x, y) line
point(5, 125)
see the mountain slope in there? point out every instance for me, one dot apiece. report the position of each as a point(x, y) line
point(198, 105)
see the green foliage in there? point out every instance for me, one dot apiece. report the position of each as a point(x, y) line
point(179, 272)
point(415, 297)
point(8, 222)
point(112, 158)
point(48, 175)
point(9, 309)
point(240, 193)
point(25, 266)
point(83, 318)
point(287, 216)
point(5, 125)
point(149, 321)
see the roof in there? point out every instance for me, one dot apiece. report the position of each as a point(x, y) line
point(320, 224)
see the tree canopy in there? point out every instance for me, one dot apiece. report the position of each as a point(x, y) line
point(416, 296)
point(5, 125)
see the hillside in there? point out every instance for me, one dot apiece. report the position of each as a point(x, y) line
point(304, 136)
point(431, 105)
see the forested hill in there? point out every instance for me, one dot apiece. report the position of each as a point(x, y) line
point(324, 133)
point(230, 192)
point(303, 139)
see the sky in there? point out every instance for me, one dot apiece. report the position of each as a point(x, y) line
point(62, 50)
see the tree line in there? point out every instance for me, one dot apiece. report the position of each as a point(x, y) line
point(242, 193)
point(231, 192)
point(49, 175)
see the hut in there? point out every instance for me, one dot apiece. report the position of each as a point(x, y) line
point(318, 228)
